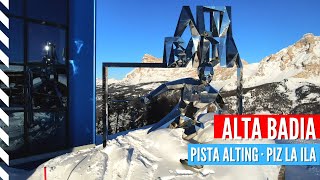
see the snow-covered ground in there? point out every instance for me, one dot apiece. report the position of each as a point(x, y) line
point(138, 155)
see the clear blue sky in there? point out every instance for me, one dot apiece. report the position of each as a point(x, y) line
point(128, 29)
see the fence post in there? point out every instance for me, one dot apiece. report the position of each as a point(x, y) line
point(105, 104)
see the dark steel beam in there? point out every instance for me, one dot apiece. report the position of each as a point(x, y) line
point(105, 104)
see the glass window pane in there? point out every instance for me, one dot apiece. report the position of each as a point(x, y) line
point(48, 93)
point(15, 90)
point(48, 10)
point(16, 134)
point(16, 41)
point(44, 131)
point(39, 35)
point(16, 7)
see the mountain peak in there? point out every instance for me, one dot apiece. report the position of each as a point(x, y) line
point(308, 39)
point(147, 58)
point(300, 60)
point(308, 35)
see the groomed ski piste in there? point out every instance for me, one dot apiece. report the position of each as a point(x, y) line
point(135, 155)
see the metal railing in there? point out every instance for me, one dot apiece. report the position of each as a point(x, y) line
point(105, 67)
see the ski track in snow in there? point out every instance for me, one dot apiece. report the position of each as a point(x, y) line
point(132, 147)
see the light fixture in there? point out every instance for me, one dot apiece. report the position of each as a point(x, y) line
point(46, 47)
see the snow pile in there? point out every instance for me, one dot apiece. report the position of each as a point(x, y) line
point(138, 155)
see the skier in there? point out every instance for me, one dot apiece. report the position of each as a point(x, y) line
point(196, 96)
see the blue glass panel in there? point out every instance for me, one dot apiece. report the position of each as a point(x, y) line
point(16, 146)
point(47, 132)
point(48, 10)
point(38, 35)
point(15, 52)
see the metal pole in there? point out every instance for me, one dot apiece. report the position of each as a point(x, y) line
point(105, 104)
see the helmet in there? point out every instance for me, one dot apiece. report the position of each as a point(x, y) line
point(205, 72)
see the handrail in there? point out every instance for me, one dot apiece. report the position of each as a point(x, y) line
point(105, 66)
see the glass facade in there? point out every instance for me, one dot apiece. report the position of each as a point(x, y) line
point(48, 10)
point(39, 77)
point(38, 35)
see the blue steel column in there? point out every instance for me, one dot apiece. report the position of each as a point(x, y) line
point(82, 117)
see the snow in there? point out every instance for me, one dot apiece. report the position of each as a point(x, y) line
point(150, 86)
point(110, 81)
point(184, 172)
point(138, 155)
point(311, 97)
point(86, 164)
point(317, 50)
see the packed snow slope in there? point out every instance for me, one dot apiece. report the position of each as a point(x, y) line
point(138, 155)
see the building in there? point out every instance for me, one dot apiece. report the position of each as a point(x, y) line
point(52, 105)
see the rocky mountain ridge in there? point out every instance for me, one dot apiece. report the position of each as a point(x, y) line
point(287, 82)
point(300, 60)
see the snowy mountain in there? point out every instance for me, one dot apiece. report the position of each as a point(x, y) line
point(300, 61)
point(287, 82)
point(283, 83)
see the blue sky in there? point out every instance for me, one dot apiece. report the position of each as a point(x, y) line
point(127, 29)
